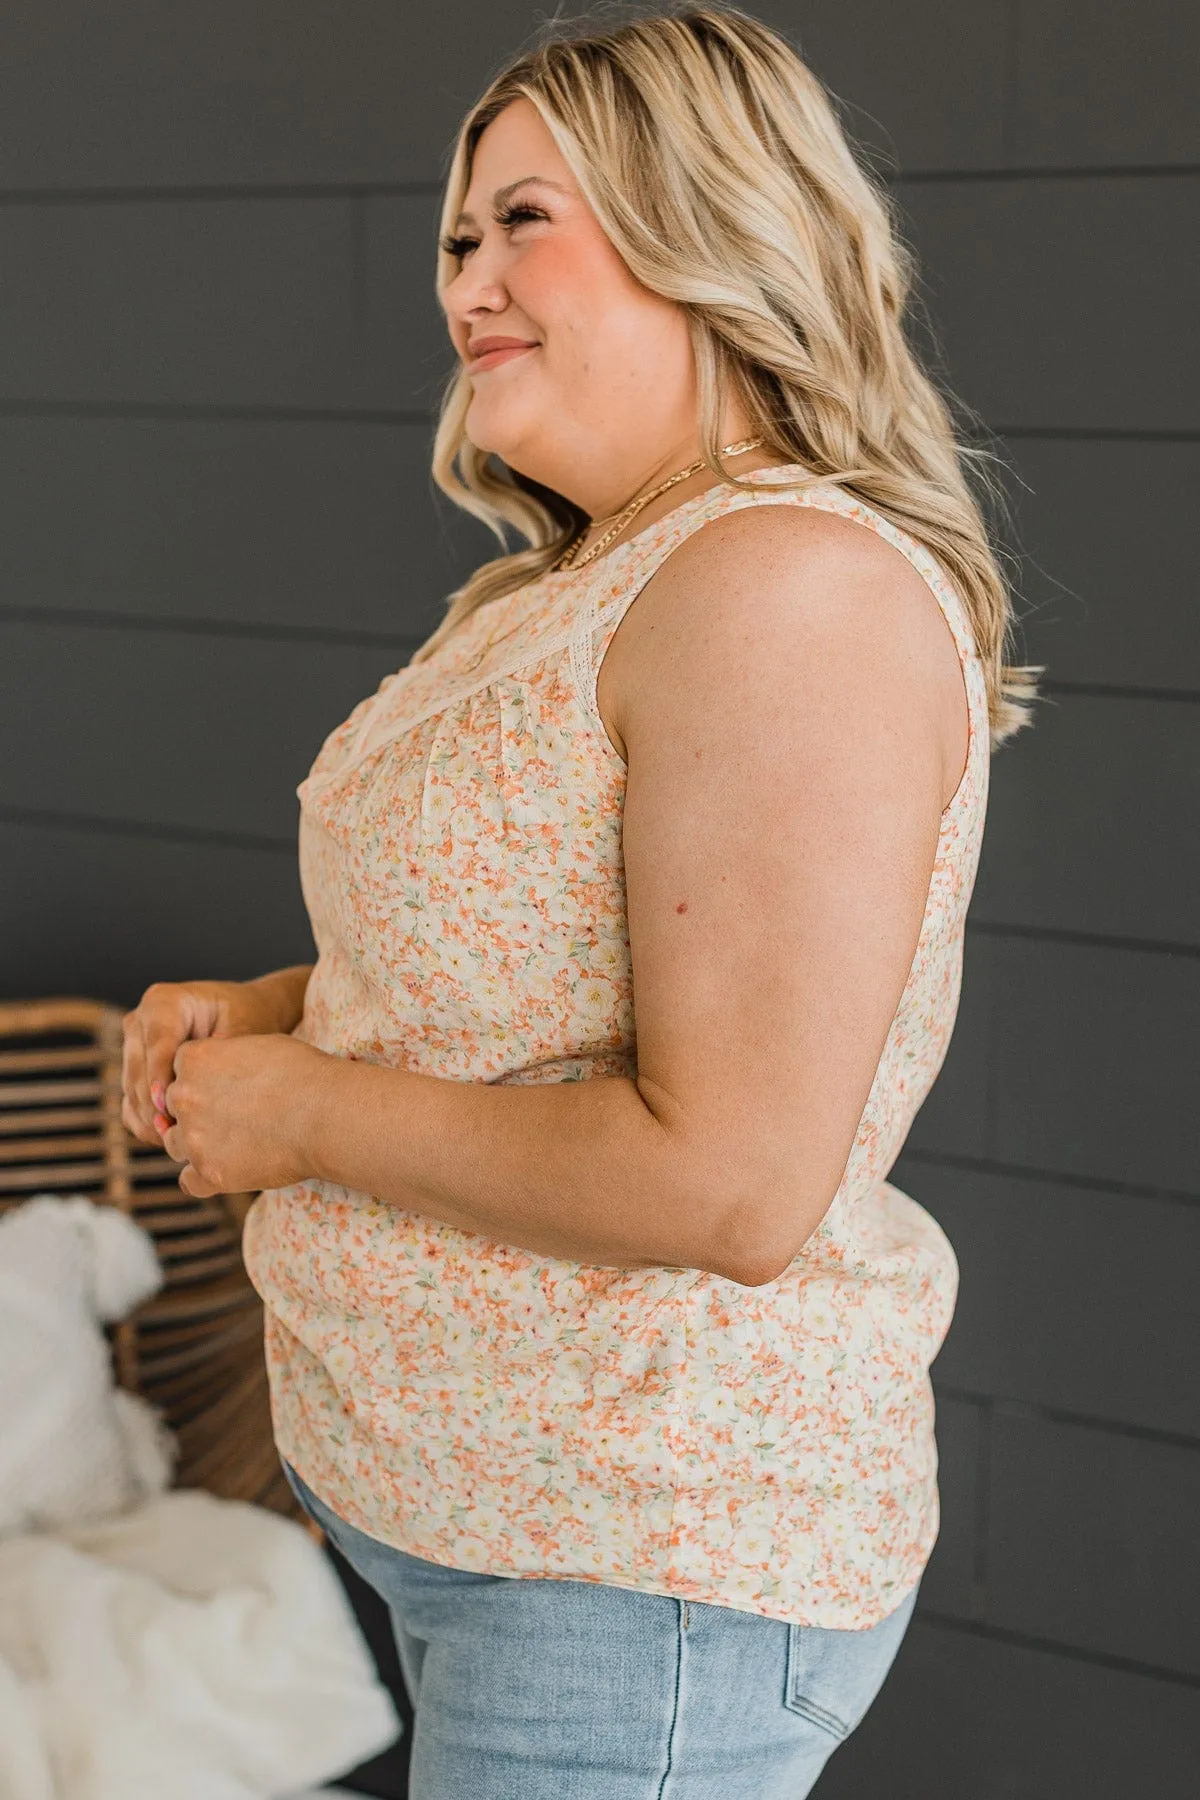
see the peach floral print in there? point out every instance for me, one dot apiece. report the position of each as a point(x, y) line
point(487, 1408)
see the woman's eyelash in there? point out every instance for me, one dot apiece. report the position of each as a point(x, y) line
point(509, 215)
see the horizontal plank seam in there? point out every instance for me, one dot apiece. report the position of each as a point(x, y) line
point(1024, 1640)
point(419, 188)
point(157, 623)
point(1100, 434)
point(1111, 690)
point(1043, 172)
point(1065, 1415)
point(133, 195)
point(31, 407)
point(1096, 940)
point(983, 1165)
point(48, 818)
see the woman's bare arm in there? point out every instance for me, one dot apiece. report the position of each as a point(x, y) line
point(282, 991)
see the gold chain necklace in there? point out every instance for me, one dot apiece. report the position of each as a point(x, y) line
point(618, 522)
point(621, 519)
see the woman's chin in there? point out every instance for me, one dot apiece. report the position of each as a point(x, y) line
point(495, 430)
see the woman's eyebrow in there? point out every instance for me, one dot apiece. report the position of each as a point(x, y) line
point(502, 194)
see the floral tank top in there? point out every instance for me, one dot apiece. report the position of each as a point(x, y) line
point(487, 1408)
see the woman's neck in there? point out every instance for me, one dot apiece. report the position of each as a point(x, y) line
point(695, 485)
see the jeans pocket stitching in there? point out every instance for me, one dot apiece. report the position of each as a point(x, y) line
point(798, 1703)
point(827, 1721)
point(803, 1671)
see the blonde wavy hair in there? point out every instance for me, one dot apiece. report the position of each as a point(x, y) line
point(715, 163)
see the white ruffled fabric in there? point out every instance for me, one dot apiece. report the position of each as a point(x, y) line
point(154, 1645)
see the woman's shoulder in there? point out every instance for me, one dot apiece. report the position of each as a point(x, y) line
point(762, 597)
point(799, 561)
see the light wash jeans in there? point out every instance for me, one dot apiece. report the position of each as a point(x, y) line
point(551, 1689)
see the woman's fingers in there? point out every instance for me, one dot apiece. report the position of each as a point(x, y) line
point(137, 1111)
point(153, 1032)
point(134, 1124)
point(163, 1038)
point(192, 1183)
point(172, 1143)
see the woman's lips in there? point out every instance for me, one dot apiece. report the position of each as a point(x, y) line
point(491, 358)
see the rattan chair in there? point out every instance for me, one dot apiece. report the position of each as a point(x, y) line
point(195, 1348)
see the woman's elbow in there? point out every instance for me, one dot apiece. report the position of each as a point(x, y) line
point(758, 1242)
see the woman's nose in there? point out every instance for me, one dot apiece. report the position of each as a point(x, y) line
point(477, 290)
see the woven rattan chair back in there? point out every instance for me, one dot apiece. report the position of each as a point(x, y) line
point(195, 1348)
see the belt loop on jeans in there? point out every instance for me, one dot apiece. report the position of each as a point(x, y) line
point(685, 1615)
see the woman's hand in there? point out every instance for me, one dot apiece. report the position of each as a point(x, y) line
point(168, 1015)
point(242, 1109)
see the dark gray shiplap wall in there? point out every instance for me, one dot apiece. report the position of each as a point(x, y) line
point(219, 351)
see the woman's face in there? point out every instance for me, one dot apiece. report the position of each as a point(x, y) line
point(606, 389)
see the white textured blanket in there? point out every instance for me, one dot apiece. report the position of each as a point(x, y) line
point(195, 1649)
point(153, 1645)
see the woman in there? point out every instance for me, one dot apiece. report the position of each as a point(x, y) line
point(604, 1356)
